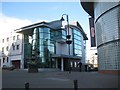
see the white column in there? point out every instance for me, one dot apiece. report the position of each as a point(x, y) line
point(22, 53)
point(56, 63)
point(62, 65)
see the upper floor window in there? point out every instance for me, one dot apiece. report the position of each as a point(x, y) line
point(17, 47)
point(3, 60)
point(77, 43)
point(7, 59)
point(18, 37)
point(13, 37)
point(2, 49)
point(77, 32)
point(3, 40)
point(13, 47)
point(7, 48)
point(7, 39)
point(61, 34)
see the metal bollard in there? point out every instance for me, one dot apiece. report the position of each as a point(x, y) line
point(26, 86)
point(75, 85)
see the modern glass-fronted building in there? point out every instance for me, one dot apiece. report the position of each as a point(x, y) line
point(47, 43)
point(107, 26)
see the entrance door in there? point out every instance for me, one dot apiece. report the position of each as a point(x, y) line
point(16, 63)
point(66, 64)
point(59, 63)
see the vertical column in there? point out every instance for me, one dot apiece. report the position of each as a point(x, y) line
point(62, 65)
point(22, 52)
point(0, 78)
point(56, 63)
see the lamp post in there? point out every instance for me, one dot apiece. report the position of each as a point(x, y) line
point(68, 41)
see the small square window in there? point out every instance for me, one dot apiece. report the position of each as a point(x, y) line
point(7, 39)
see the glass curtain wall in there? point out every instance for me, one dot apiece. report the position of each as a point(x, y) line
point(41, 45)
point(27, 49)
point(46, 46)
point(77, 43)
point(61, 34)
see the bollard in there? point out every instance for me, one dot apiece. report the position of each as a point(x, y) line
point(70, 69)
point(26, 86)
point(75, 85)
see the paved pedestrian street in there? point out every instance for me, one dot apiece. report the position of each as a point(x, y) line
point(57, 79)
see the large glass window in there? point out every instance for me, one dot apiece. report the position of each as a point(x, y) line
point(61, 34)
point(43, 39)
point(27, 49)
point(77, 43)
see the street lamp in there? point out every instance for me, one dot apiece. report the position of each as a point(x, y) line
point(68, 41)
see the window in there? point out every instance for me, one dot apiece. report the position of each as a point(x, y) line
point(77, 43)
point(7, 59)
point(3, 60)
point(18, 37)
point(7, 39)
point(13, 47)
point(3, 40)
point(2, 49)
point(13, 37)
point(61, 34)
point(17, 47)
point(7, 48)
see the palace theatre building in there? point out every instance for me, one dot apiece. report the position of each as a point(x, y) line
point(107, 27)
point(48, 41)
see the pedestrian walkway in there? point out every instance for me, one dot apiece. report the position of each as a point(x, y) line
point(58, 79)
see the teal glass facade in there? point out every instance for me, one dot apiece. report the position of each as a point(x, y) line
point(27, 49)
point(61, 34)
point(41, 42)
point(77, 43)
point(48, 48)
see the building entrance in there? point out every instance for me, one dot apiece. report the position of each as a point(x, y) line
point(16, 63)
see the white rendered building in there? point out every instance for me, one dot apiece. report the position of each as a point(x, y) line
point(11, 51)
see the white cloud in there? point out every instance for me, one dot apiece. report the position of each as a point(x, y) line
point(8, 24)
